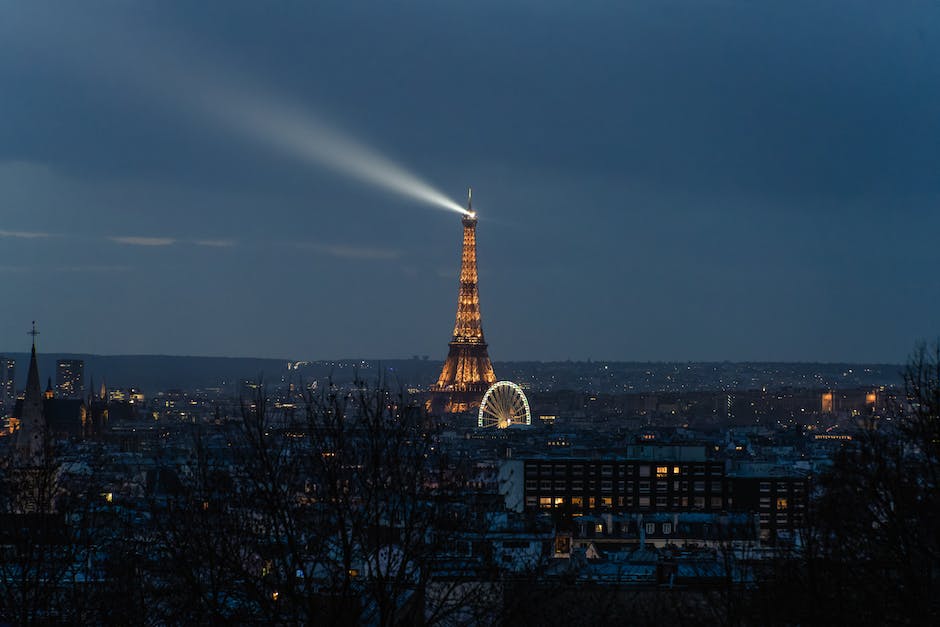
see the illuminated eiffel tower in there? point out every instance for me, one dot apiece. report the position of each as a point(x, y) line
point(467, 372)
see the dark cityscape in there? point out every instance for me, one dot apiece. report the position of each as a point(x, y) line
point(700, 239)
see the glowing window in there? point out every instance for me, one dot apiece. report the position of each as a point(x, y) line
point(662, 472)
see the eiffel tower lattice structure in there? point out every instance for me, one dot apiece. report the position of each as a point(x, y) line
point(467, 372)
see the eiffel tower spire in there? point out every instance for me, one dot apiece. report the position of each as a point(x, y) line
point(467, 372)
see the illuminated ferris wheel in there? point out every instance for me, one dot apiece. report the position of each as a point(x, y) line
point(504, 404)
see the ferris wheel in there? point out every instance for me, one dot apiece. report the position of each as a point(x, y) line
point(504, 404)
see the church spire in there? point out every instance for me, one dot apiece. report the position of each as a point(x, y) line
point(31, 434)
point(33, 386)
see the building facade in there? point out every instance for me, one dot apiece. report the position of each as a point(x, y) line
point(70, 378)
point(7, 385)
point(580, 486)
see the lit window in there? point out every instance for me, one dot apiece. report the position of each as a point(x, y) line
point(781, 503)
point(559, 500)
point(675, 470)
point(545, 501)
point(577, 501)
point(607, 501)
point(662, 472)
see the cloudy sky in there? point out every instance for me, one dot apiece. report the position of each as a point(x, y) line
point(656, 179)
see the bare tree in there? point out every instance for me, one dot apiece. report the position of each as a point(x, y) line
point(870, 551)
point(53, 528)
point(344, 512)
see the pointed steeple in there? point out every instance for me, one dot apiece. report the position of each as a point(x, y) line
point(31, 434)
point(33, 387)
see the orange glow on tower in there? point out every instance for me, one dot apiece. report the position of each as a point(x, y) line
point(467, 371)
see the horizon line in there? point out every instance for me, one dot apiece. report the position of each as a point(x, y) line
point(587, 360)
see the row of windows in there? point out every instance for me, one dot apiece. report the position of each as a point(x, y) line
point(782, 486)
point(782, 503)
point(607, 470)
point(644, 487)
point(607, 502)
point(780, 519)
point(649, 527)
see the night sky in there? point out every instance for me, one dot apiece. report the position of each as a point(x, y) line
point(656, 180)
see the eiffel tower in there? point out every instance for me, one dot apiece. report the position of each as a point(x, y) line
point(467, 372)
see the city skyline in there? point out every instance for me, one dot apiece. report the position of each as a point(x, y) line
point(649, 188)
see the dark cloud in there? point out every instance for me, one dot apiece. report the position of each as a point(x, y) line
point(668, 179)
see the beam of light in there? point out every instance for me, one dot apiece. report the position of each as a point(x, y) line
point(185, 79)
point(309, 138)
